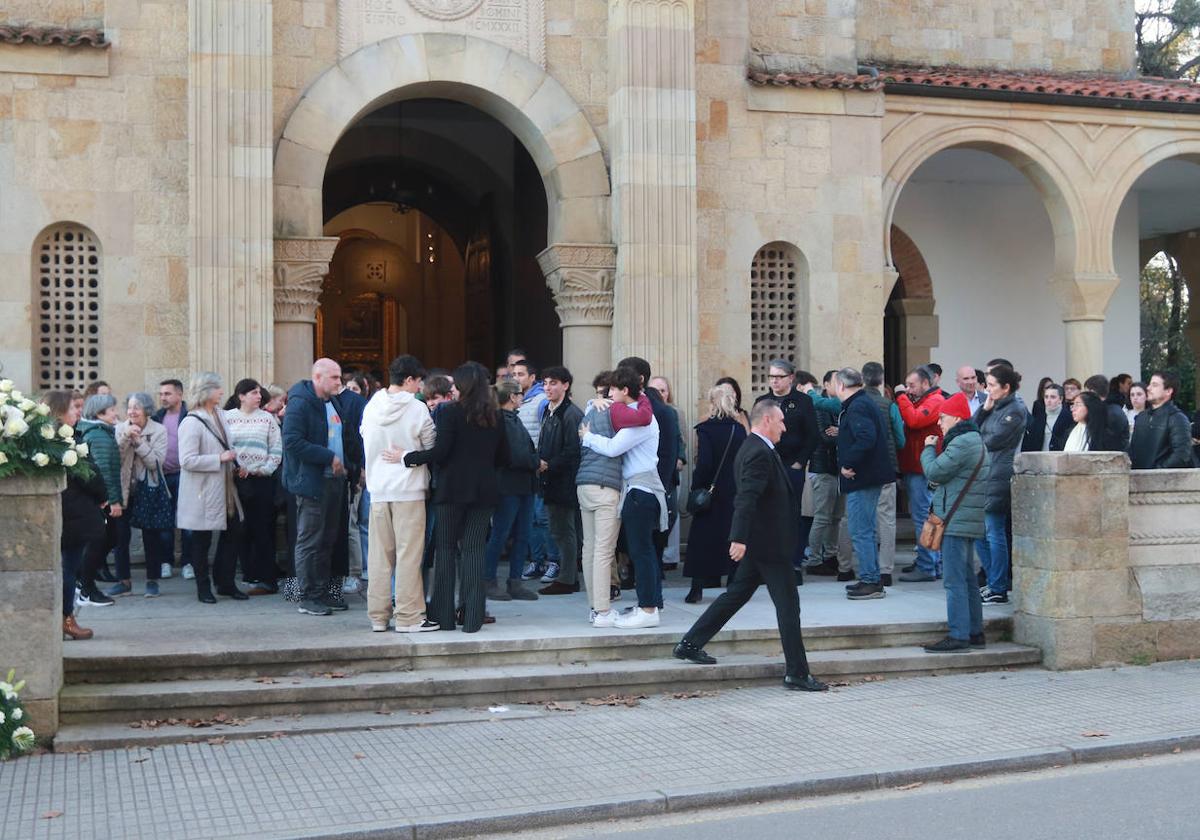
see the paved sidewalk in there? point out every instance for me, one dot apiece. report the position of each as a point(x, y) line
point(596, 762)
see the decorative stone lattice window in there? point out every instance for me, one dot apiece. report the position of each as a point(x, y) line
point(66, 277)
point(775, 287)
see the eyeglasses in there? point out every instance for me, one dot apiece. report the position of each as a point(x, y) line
point(778, 375)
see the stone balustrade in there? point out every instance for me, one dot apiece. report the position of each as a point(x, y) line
point(1106, 561)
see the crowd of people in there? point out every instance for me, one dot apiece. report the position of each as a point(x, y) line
point(422, 488)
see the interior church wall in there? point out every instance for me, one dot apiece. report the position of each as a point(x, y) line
point(990, 252)
point(1058, 35)
point(110, 153)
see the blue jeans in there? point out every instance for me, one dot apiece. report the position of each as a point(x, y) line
point(513, 515)
point(964, 610)
point(993, 552)
point(860, 519)
point(541, 548)
point(917, 489)
point(639, 518)
point(364, 525)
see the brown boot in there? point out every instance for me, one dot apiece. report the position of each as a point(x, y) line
point(72, 630)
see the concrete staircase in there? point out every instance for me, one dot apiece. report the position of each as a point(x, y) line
point(428, 672)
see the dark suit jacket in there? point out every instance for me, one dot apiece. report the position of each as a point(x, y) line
point(766, 512)
point(467, 457)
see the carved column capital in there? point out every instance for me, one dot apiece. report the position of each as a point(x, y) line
point(300, 268)
point(581, 279)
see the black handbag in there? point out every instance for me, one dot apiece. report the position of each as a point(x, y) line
point(150, 507)
point(700, 499)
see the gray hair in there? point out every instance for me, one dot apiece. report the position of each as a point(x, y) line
point(201, 387)
point(97, 404)
point(143, 399)
point(783, 364)
point(849, 377)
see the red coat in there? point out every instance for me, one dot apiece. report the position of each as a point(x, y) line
point(920, 421)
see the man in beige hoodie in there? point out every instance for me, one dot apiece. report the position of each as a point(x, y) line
point(396, 421)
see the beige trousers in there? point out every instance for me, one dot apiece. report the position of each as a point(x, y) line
point(396, 544)
point(601, 524)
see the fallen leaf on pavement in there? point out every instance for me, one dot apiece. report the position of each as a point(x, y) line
point(628, 700)
point(219, 741)
point(912, 786)
point(265, 680)
point(382, 712)
point(556, 706)
point(420, 711)
point(689, 695)
point(334, 675)
point(1094, 733)
point(872, 678)
point(49, 815)
point(360, 755)
point(140, 760)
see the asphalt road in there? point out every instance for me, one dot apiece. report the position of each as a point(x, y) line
point(1147, 799)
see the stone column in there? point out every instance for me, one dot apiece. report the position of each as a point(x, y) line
point(301, 266)
point(581, 279)
point(652, 132)
point(1083, 300)
point(918, 329)
point(230, 186)
point(31, 594)
point(1075, 591)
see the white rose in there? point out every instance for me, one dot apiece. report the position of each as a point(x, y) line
point(18, 714)
point(27, 405)
point(6, 385)
point(41, 459)
point(69, 458)
point(3, 458)
point(43, 410)
point(2, 718)
point(47, 432)
point(66, 432)
point(15, 427)
point(23, 738)
point(82, 449)
point(16, 396)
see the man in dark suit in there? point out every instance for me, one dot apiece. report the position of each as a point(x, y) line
point(765, 508)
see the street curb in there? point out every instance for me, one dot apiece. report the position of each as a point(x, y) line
point(675, 800)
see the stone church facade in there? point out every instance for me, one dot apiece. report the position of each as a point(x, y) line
point(236, 186)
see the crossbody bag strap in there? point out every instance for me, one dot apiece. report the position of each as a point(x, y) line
point(967, 486)
point(721, 463)
point(224, 444)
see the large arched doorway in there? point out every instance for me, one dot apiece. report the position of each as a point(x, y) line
point(440, 215)
point(449, 78)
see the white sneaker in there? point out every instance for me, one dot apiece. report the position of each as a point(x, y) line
point(378, 628)
point(165, 572)
point(188, 572)
point(636, 620)
point(350, 586)
point(609, 618)
point(424, 627)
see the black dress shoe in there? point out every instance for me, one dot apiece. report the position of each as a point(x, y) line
point(806, 683)
point(205, 596)
point(235, 593)
point(691, 653)
point(695, 595)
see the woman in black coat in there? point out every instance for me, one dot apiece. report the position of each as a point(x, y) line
point(82, 513)
point(470, 446)
point(708, 542)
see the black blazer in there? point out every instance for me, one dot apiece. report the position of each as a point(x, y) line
point(766, 512)
point(467, 457)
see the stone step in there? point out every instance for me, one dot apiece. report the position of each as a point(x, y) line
point(480, 686)
point(387, 652)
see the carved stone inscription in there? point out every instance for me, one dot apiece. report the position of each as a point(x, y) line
point(519, 25)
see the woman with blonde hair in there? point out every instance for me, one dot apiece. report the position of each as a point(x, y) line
point(208, 499)
point(718, 439)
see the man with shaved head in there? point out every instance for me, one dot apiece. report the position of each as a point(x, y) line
point(314, 470)
point(968, 384)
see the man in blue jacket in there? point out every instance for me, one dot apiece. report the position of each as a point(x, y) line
point(865, 467)
point(314, 471)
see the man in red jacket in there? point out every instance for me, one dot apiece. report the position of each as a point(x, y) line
point(920, 404)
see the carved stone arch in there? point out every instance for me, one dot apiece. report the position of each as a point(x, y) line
point(1139, 162)
point(913, 280)
point(499, 82)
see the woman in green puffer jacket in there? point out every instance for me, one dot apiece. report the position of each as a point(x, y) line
point(953, 474)
point(98, 431)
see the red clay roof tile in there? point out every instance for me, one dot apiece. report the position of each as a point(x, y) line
point(53, 35)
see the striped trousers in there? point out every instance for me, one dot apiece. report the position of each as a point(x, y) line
point(461, 535)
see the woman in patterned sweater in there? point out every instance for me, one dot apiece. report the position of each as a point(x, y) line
point(256, 439)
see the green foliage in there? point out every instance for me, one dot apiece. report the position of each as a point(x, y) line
point(1164, 306)
point(1167, 34)
point(15, 736)
point(32, 442)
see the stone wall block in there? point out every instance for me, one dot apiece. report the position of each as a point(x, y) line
point(1178, 639)
point(1065, 642)
point(1124, 642)
point(27, 522)
point(1169, 593)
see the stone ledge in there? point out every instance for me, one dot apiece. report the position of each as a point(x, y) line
point(1155, 482)
point(20, 485)
point(1072, 463)
point(53, 60)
